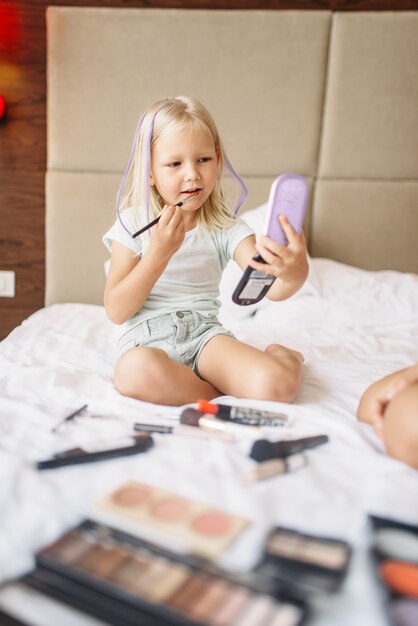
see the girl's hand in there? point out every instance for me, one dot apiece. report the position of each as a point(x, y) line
point(376, 397)
point(168, 234)
point(384, 390)
point(288, 263)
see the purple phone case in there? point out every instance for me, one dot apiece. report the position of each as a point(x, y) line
point(288, 197)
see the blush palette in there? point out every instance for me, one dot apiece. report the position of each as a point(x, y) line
point(395, 552)
point(128, 581)
point(161, 515)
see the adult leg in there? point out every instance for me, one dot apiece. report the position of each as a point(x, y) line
point(148, 374)
point(240, 370)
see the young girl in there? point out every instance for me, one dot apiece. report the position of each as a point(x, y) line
point(163, 287)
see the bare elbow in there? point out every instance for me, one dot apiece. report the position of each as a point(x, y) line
point(114, 315)
point(116, 319)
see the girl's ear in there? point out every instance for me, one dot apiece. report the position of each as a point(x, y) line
point(151, 180)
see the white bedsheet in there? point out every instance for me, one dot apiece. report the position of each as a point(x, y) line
point(353, 327)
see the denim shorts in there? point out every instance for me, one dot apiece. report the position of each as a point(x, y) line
point(182, 335)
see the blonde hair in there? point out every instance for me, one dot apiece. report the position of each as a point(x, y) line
point(164, 116)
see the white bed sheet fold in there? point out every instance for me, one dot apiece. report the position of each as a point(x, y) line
point(352, 326)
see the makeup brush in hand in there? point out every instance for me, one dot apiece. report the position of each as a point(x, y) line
point(142, 230)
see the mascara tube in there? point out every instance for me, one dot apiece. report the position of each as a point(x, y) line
point(242, 415)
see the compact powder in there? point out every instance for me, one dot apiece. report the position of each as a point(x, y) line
point(284, 545)
point(286, 615)
point(187, 595)
point(168, 584)
point(308, 549)
point(324, 554)
point(130, 571)
point(170, 509)
point(158, 569)
point(258, 612)
point(93, 559)
point(401, 577)
point(131, 495)
point(216, 593)
point(397, 544)
point(235, 605)
point(404, 612)
point(71, 547)
point(102, 560)
point(212, 524)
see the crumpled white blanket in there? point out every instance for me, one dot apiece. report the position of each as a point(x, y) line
point(353, 327)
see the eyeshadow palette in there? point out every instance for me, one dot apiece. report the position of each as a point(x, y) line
point(165, 517)
point(128, 581)
point(395, 551)
point(305, 562)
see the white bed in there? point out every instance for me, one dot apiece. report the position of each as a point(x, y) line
point(352, 325)
point(339, 127)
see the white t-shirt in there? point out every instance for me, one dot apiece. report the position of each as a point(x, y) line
point(191, 279)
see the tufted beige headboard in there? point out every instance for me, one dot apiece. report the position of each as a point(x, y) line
point(333, 96)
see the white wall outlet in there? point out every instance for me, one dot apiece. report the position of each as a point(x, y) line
point(7, 284)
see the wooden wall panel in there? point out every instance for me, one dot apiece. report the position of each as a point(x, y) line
point(22, 157)
point(23, 132)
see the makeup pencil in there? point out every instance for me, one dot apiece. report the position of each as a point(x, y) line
point(182, 430)
point(142, 230)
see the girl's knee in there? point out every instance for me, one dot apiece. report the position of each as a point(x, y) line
point(276, 382)
point(139, 372)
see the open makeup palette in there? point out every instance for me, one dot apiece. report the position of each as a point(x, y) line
point(128, 581)
point(148, 554)
point(395, 548)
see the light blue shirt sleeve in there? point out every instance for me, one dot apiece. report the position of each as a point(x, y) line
point(118, 233)
point(227, 240)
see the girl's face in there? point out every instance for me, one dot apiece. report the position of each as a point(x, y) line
point(183, 163)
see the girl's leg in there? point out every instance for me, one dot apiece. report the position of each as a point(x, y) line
point(148, 374)
point(243, 371)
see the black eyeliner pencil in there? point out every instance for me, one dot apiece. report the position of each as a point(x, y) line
point(142, 230)
point(69, 417)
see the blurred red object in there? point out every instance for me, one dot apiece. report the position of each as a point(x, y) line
point(2, 107)
point(9, 27)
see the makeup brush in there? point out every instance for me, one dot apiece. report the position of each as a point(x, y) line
point(142, 230)
point(192, 417)
point(264, 450)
